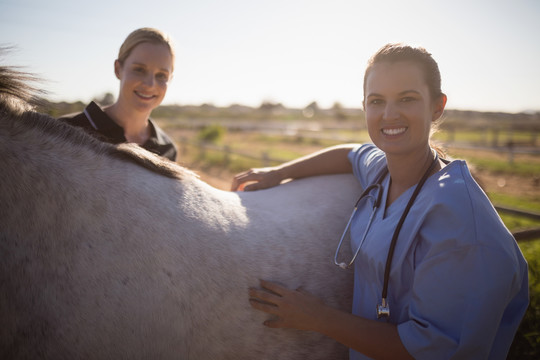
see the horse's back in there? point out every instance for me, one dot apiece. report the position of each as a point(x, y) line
point(102, 258)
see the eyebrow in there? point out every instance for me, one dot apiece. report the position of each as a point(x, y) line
point(144, 65)
point(400, 93)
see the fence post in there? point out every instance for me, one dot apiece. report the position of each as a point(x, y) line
point(227, 151)
point(450, 134)
point(495, 140)
point(183, 145)
point(485, 136)
point(510, 146)
point(202, 149)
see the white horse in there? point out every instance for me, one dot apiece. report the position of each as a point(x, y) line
point(102, 258)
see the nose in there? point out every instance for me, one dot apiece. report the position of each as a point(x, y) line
point(149, 80)
point(391, 111)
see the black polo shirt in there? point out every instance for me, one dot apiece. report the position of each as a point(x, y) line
point(97, 122)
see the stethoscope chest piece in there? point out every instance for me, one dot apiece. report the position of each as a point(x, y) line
point(383, 310)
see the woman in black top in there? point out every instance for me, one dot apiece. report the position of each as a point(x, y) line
point(144, 67)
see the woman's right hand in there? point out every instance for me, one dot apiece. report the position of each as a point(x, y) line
point(257, 179)
point(332, 160)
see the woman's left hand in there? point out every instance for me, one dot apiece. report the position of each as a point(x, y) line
point(295, 309)
point(301, 310)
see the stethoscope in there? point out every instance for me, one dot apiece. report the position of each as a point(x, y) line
point(383, 309)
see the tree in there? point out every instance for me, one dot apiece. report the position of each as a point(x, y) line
point(311, 110)
point(106, 99)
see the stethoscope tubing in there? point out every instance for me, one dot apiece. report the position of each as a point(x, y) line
point(383, 309)
point(377, 203)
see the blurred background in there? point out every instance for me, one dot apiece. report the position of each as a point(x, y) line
point(257, 83)
point(292, 52)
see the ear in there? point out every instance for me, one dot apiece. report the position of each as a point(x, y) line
point(117, 68)
point(438, 107)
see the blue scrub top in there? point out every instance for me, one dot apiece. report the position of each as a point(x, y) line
point(458, 284)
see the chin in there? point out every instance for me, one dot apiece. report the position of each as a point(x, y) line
point(146, 104)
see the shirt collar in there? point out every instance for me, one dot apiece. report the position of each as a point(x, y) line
point(103, 123)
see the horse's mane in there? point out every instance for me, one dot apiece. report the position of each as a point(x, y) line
point(17, 101)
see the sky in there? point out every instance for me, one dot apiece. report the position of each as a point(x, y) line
point(292, 52)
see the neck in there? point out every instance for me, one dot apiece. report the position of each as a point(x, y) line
point(407, 171)
point(135, 124)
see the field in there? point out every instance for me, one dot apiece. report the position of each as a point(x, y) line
point(510, 180)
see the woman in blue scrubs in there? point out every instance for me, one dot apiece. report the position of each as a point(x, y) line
point(456, 284)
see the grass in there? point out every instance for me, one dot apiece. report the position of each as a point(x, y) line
point(527, 203)
point(485, 138)
point(526, 343)
point(502, 166)
point(514, 222)
point(499, 163)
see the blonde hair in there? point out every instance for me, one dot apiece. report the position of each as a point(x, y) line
point(145, 35)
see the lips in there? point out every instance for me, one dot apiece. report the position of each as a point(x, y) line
point(393, 131)
point(144, 96)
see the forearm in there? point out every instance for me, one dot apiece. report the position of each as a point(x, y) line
point(378, 340)
point(332, 160)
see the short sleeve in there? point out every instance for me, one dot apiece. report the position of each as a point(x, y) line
point(463, 285)
point(367, 162)
point(466, 326)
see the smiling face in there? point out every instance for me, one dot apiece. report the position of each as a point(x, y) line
point(144, 76)
point(399, 109)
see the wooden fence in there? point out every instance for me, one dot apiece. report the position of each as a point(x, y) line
point(263, 157)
